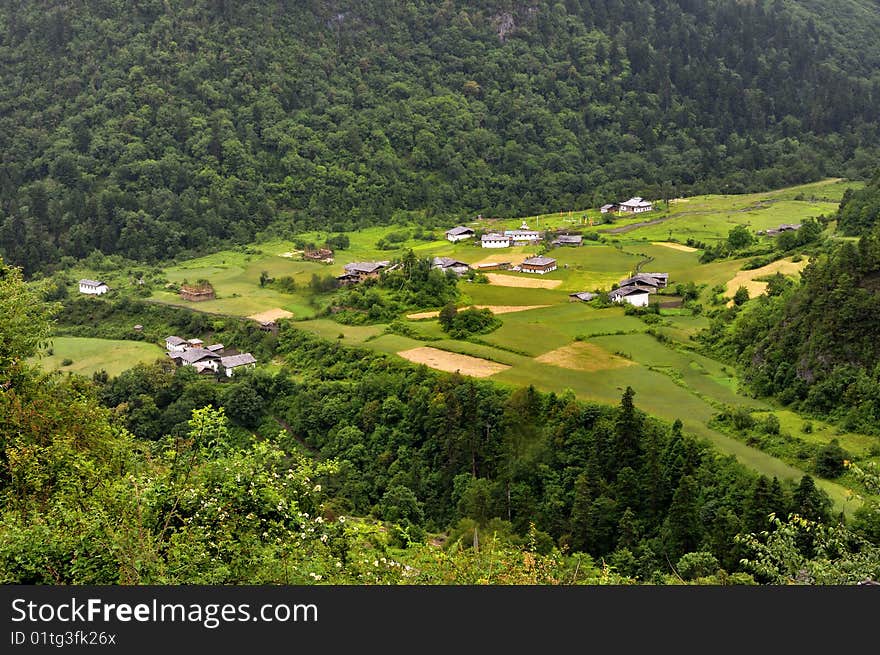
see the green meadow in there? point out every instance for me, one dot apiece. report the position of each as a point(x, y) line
point(91, 355)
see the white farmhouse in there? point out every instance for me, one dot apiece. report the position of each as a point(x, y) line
point(494, 240)
point(635, 205)
point(637, 296)
point(233, 362)
point(459, 233)
point(93, 287)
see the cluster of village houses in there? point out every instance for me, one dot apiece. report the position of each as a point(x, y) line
point(207, 359)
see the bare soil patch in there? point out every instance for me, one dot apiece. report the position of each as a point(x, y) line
point(496, 309)
point(443, 360)
point(271, 315)
point(582, 356)
point(674, 246)
point(521, 282)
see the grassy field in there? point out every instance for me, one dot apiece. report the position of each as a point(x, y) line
point(91, 355)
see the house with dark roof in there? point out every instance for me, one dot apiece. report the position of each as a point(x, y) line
point(360, 271)
point(538, 265)
point(638, 296)
point(449, 264)
point(785, 227)
point(93, 287)
point(237, 362)
point(568, 240)
point(662, 278)
point(459, 233)
point(643, 280)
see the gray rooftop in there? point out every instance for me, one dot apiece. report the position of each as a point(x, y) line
point(174, 341)
point(641, 278)
point(459, 229)
point(584, 295)
point(628, 290)
point(446, 262)
point(91, 283)
point(194, 355)
point(539, 261)
point(237, 360)
point(365, 267)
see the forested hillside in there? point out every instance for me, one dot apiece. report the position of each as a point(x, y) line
point(816, 344)
point(156, 128)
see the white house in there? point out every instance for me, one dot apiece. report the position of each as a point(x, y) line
point(635, 205)
point(93, 287)
point(232, 362)
point(523, 237)
point(449, 264)
point(175, 344)
point(459, 233)
point(610, 207)
point(494, 240)
point(637, 296)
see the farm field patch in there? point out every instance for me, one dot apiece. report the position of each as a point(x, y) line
point(502, 280)
point(756, 287)
point(582, 356)
point(452, 362)
point(91, 355)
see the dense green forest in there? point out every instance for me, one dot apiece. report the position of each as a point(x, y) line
point(860, 210)
point(815, 344)
point(155, 129)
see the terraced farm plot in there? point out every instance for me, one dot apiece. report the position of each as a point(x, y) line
point(583, 356)
point(443, 360)
point(91, 355)
point(495, 309)
point(539, 331)
point(756, 287)
point(271, 315)
point(674, 246)
point(502, 280)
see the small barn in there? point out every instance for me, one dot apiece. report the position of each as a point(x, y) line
point(198, 292)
